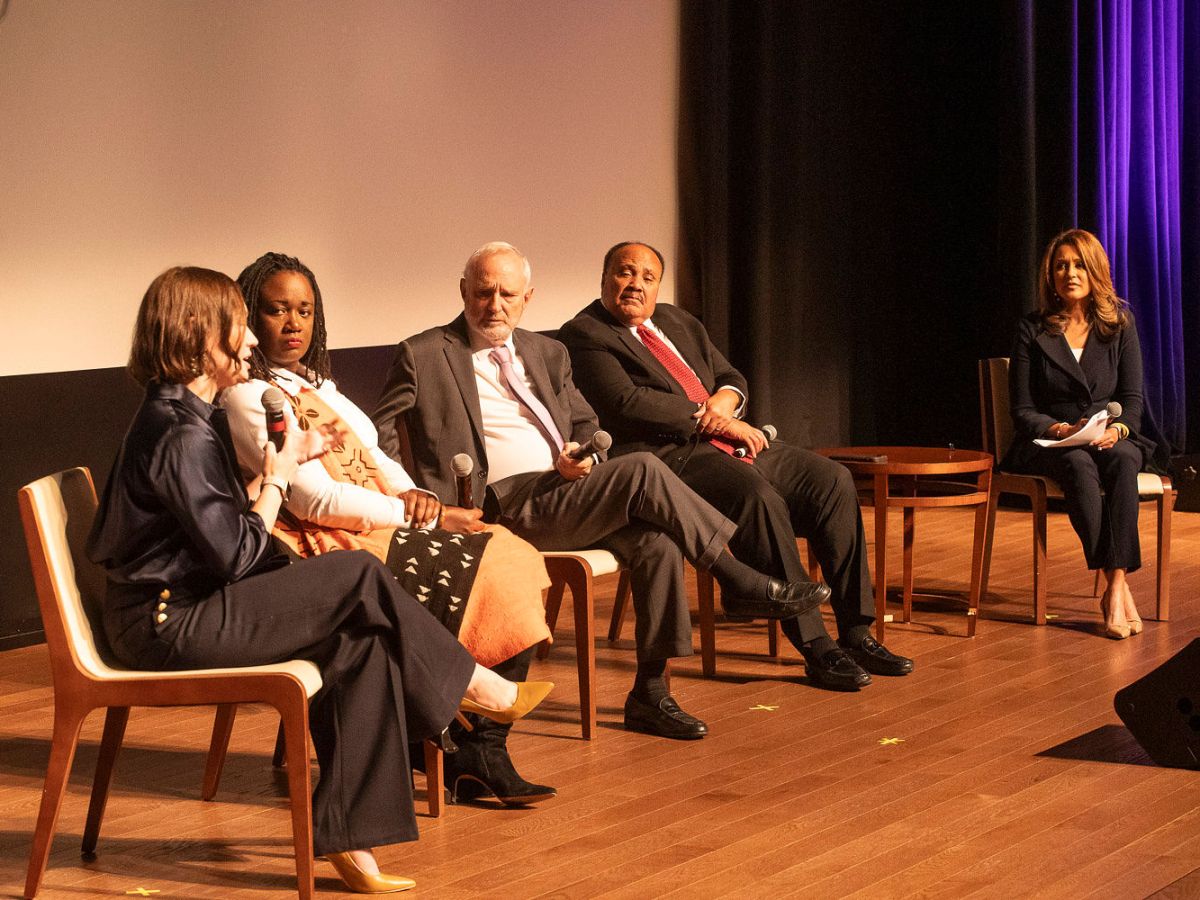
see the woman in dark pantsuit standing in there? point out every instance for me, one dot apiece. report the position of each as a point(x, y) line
point(1072, 357)
point(195, 581)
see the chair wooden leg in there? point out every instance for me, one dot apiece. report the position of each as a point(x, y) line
point(910, 528)
point(984, 486)
point(988, 534)
point(295, 728)
point(705, 603)
point(435, 777)
point(585, 650)
point(217, 748)
point(620, 607)
point(110, 744)
point(553, 603)
point(814, 567)
point(1038, 501)
point(67, 722)
point(1162, 598)
point(279, 757)
point(773, 639)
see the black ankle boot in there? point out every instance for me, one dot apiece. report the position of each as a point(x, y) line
point(483, 768)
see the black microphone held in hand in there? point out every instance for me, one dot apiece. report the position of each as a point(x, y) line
point(272, 401)
point(462, 466)
point(771, 433)
point(599, 442)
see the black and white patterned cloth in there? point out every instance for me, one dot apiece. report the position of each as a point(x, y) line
point(438, 568)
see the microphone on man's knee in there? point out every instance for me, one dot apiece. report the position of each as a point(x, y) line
point(598, 443)
point(771, 433)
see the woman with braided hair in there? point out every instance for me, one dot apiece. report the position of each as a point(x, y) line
point(483, 583)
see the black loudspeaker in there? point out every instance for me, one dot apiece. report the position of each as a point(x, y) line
point(1185, 478)
point(1162, 710)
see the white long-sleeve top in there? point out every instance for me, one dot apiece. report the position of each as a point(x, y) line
point(315, 495)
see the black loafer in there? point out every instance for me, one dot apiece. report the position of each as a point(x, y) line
point(835, 670)
point(664, 719)
point(784, 600)
point(878, 659)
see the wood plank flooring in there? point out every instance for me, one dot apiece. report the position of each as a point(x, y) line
point(998, 769)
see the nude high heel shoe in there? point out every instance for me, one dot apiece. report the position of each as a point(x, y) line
point(1114, 630)
point(365, 883)
point(1131, 613)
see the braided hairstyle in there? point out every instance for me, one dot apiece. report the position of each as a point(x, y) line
point(251, 281)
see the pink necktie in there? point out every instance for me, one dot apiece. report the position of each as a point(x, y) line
point(502, 356)
point(687, 379)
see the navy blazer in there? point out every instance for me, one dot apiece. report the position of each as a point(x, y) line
point(1047, 385)
point(638, 400)
point(431, 388)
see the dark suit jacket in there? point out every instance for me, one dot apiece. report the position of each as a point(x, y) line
point(637, 399)
point(1046, 385)
point(431, 390)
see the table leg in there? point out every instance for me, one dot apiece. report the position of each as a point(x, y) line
point(881, 513)
point(910, 522)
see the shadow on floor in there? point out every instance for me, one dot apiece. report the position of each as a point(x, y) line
point(1106, 744)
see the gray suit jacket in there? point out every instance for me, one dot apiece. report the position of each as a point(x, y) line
point(431, 390)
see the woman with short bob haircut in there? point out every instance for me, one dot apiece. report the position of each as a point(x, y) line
point(195, 581)
point(1072, 357)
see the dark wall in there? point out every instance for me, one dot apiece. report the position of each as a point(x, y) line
point(63, 419)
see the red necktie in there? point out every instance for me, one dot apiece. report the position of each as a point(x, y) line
point(687, 379)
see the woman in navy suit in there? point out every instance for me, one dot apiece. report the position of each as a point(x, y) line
point(1072, 357)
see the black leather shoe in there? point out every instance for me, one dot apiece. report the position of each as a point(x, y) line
point(878, 659)
point(664, 719)
point(784, 600)
point(835, 670)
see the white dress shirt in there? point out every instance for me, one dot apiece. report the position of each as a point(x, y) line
point(512, 437)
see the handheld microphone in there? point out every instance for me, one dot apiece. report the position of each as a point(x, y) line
point(771, 433)
point(272, 401)
point(462, 466)
point(600, 441)
point(1114, 410)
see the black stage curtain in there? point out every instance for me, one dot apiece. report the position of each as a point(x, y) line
point(865, 192)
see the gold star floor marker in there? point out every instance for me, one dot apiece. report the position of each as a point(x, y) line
point(143, 892)
point(890, 742)
point(764, 708)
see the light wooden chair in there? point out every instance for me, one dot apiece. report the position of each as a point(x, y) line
point(997, 427)
point(57, 513)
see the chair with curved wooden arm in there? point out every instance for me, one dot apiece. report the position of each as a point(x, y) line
point(996, 421)
point(57, 513)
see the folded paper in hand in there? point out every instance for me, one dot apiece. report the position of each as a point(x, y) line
point(1093, 430)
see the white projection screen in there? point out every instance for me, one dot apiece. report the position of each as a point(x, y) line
point(381, 142)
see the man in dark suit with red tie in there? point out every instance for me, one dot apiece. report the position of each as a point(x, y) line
point(659, 385)
point(504, 395)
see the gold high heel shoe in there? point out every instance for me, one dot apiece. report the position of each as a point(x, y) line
point(365, 883)
point(529, 695)
point(1131, 613)
point(1111, 629)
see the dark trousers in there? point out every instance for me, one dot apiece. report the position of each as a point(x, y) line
point(1100, 488)
point(790, 492)
point(391, 674)
point(634, 506)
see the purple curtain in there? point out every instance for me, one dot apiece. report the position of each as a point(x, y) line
point(1136, 96)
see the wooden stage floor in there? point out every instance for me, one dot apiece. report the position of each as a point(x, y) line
point(998, 769)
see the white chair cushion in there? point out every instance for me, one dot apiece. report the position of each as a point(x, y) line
point(601, 561)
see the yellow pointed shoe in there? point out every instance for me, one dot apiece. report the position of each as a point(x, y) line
point(363, 882)
point(529, 695)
